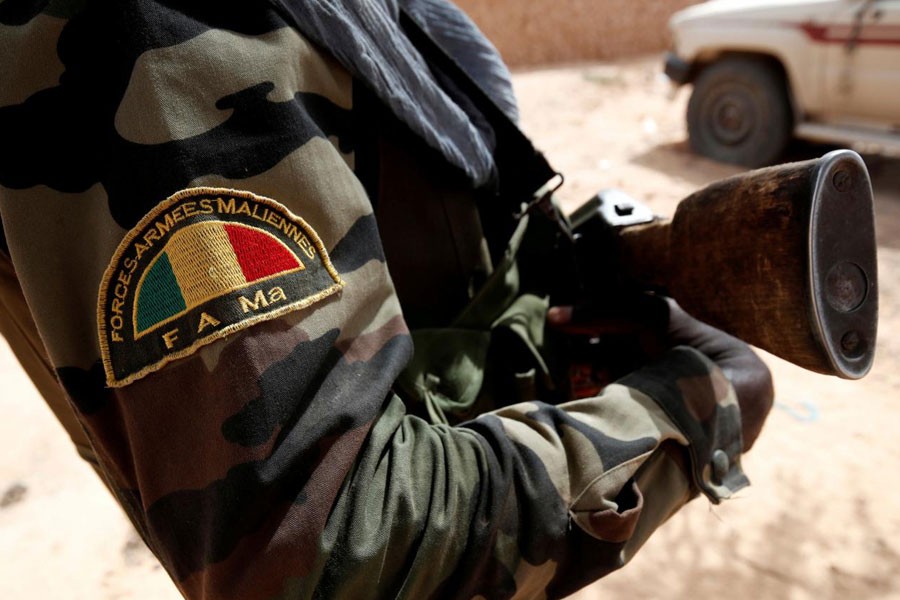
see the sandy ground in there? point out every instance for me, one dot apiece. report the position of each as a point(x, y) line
point(822, 519)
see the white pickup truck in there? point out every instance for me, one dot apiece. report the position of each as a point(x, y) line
point(765, 71)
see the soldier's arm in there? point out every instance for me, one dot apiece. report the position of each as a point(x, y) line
point(534, 496)
point(240, 407)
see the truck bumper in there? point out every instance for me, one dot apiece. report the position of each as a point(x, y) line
point(677, 69)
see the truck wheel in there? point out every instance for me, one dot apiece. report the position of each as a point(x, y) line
point(739, 112)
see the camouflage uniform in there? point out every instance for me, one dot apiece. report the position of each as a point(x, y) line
point(273, 458)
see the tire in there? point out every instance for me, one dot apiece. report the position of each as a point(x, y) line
point(739, 112)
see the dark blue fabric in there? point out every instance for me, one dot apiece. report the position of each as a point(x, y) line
point(366, 38)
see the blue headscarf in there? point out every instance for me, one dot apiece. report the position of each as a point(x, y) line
point(366, 38)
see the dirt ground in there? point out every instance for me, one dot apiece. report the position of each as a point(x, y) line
point(821, 521)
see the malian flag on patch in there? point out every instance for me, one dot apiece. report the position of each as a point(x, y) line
point(205, 263)
point(177, 281)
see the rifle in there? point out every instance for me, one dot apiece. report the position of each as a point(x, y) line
point(783, 258)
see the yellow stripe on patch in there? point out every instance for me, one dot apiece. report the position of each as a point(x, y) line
point(204, 262)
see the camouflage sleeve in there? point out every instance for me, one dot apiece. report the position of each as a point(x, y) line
point(205, 273)
point(532, 499)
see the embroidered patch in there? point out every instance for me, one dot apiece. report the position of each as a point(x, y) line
point(203, 264)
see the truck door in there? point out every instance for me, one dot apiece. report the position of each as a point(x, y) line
point(862, 63)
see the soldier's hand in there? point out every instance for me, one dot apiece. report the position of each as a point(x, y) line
point(750, 377)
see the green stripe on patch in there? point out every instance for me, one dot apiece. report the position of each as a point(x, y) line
point(160, 297)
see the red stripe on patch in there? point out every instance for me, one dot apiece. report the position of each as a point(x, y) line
point(259, 255)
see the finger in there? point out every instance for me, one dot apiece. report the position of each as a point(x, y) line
point(560, 315)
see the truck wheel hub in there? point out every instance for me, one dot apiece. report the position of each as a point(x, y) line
point(731, 120)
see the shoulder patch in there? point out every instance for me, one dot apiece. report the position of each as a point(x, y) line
point(205, 263)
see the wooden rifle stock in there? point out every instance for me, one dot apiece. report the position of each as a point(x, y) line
point(783, 258)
